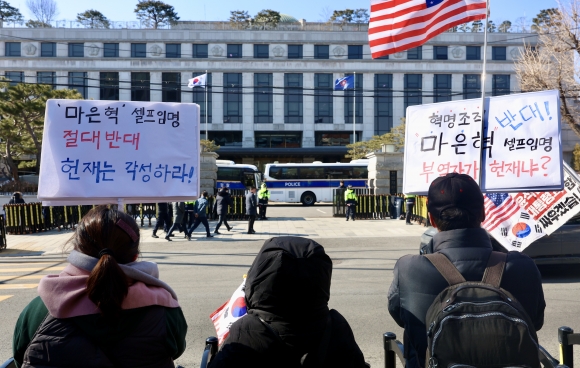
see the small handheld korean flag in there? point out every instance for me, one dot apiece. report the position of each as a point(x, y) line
point(232, 310)
point(198, 81)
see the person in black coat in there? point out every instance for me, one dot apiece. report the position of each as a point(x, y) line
point(223, 201)
point(251, 209)
point(16, 198)
point(162, 216)
point(288, 321)
point(456, 209)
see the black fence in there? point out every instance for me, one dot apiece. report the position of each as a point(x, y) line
point(29, 218)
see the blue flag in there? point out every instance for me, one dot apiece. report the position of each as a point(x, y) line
point(344, 83)
point(431, 3)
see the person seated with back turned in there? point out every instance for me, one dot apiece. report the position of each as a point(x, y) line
point(288, 322)
point(456, 208)
point(104, 309)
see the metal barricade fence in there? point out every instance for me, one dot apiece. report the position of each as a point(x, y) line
point(376, 206)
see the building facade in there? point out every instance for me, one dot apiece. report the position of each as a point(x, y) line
point(270, 91)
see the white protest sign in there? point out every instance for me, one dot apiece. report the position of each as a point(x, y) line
point(521, 150)
point(527, 149)
point(441, 138)
point(553, 209)
point(97, 152)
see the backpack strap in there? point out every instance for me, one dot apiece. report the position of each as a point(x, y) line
point(494, 270)
point(446, 268)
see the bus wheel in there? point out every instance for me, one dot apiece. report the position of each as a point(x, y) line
point(308, 199)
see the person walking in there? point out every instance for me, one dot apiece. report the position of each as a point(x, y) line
point(409, 205)
point(263, 197)
point(106, 308)
point(350, 199)
point(162, 216)
point(178, 214)
point(189, 217)
point(341, 185)
point(223, 201)
point(200, 213)
point(251, 205)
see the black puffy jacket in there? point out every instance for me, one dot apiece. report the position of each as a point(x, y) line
point(417, 283)
point(223, 201)
point(287, 293)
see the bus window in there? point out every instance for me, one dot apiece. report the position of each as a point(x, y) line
point(339, 172)
point(275, 172)
point(250, 180)
point(229, 173)
point(312, 173)
point(289, 173)
point(360, 173)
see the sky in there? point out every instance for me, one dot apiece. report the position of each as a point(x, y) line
point(311, 10)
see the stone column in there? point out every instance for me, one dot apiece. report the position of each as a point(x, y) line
point(61, 80)
point(380, 166)
point(124, 86)
point(398, 98)
point(94, 88)
point(428, 88)
point(208, 172)
point(308, 125)
point(155, 86)
point(248, 110)
point(278, 82)
point(217, 109)
point(186, 92)
point(338, 105)
point(368, 107)
point(457, 85)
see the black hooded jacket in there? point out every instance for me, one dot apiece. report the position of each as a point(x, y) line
point(417, 283)
point(287, 293)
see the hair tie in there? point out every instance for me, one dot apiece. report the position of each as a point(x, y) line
point(104, 251)
point(127, 229)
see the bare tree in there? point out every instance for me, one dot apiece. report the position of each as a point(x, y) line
point(44, 10)
point(551, 64)
point(521, 25)
point(325, 14)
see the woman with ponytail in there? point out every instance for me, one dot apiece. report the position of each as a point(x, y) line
point(104, 309)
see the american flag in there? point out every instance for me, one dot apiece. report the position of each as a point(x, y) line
point(499, 207)
point(398, 25)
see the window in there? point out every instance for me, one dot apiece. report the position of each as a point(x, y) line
point(294, 51)
point(415, 54)
point(171, 87)
point(263, 98)
point(226, 139)
point(323, 85)
point(199, 97)
point(473, 53)
point(442, 84)
point(440, 53)
point(173, 50)
point(311, 173)
point(48, 49)
point(200, 51)
point(278, 140)
point(234, 51)
point(111, 50)
point(471, 86)
point(293, 98)
point(261, 51)
point(498, 53)
point(140, 86)
point(138, 50)
point(500, 85)
point(321, 52)
point(78, 81)
point(413, 93)
point(349, 101)
point(355, 51)
point(109, 86)
point(326, 139)
point(14, 77)
point(232, 97)
point(46, 78)
point(76, 50)
point(12, 49)
point(383, 103)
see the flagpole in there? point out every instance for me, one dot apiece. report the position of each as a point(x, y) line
point(206, 136)
point(354, 111)
point(483, 74)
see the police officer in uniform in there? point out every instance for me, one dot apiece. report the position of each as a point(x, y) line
point(263, 197)
point(350, 199)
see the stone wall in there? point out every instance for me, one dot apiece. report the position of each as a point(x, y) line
point(380, 166)
point(208, 172)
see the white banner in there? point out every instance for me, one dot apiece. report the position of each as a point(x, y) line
point(521, 149)
point(101, 151)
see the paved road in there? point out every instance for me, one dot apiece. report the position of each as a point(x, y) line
point(205, 273)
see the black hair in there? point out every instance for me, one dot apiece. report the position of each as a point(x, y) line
point(456, 218)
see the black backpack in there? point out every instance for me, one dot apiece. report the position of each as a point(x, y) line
point(478, 324)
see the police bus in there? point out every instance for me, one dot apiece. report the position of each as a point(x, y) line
point(237, 177)
point(313, 182)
